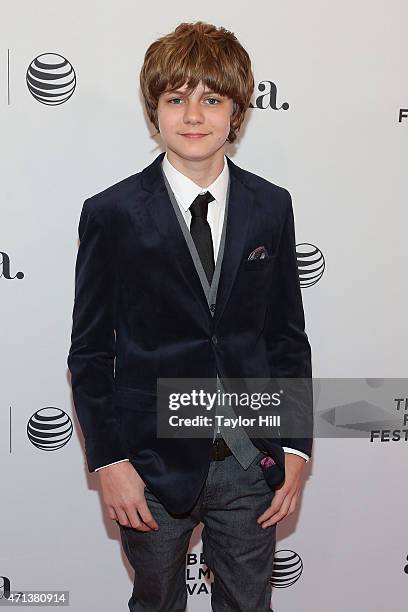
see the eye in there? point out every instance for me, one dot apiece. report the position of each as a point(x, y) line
point(171, 100)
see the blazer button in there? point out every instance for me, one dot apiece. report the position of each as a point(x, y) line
point(214, 339)
point(212, 307)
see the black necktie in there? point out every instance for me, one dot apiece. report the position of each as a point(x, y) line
point(201, 232)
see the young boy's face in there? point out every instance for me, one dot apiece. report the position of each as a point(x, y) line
point(202, 113)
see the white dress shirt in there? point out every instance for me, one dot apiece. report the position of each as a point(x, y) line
point(185, 191)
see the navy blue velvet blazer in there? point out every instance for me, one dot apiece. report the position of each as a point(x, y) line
point(140, 313)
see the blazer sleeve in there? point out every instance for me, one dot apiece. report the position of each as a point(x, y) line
point(289, 351)
point(92, 350)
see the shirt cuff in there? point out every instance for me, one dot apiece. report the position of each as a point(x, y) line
point(107, 465)
point(294, 451)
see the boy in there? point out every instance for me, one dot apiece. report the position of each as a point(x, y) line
point(169, 284)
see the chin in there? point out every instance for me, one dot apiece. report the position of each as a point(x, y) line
point(196, 150)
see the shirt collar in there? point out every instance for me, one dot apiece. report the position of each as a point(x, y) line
point(187, 190)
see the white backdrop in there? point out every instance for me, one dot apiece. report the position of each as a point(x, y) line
point(338, 145)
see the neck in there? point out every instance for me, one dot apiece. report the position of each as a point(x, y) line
point(202, 171)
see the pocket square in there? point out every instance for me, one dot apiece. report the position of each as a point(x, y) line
point(259, 253)
point(267, 462)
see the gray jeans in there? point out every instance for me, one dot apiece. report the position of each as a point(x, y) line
point(238, 551)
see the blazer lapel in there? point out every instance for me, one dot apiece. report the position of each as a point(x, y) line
point(241, 199)
point(160, 207)
point(158, 204)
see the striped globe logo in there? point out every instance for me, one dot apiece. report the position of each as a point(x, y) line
point(51, 79)
point(49, 428)
point(287, 568)
point(310, 262)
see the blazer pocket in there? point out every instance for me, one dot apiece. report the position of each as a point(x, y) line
point(255, 465)
point(257, 264)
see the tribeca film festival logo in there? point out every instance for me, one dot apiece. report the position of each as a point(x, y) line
point(49, 429)
point(403, 114)
point(199, 578)
point(375, 409)
point(269, 98)
point(51, 79)
point(5, 587)
point(5, 268)
point(394, 435)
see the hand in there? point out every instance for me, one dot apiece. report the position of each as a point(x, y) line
point(123, 496)
point(286, 495)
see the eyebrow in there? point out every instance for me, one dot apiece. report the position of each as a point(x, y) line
point(178, 91)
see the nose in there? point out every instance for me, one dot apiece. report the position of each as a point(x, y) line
point(193, 113)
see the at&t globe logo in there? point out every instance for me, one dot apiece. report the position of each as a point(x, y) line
point(49, 428)
point(51, 79)
point(310, 262)
point(287, 568)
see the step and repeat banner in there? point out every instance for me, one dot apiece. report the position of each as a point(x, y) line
point(329, 122)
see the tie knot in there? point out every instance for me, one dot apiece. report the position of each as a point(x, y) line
point(199, 207)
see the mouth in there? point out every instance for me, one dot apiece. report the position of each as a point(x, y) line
point(193, 135)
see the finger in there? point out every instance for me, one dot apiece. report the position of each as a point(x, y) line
point(278, 516)
point(135, 522)
point(293, 504)
point(146, 515)
point(274, 506)
point(275, 516)
point(269, 516)
point(122, 516)
point(134, 519)
point(112, 514)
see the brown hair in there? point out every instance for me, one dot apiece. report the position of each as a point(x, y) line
point(197, 52)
